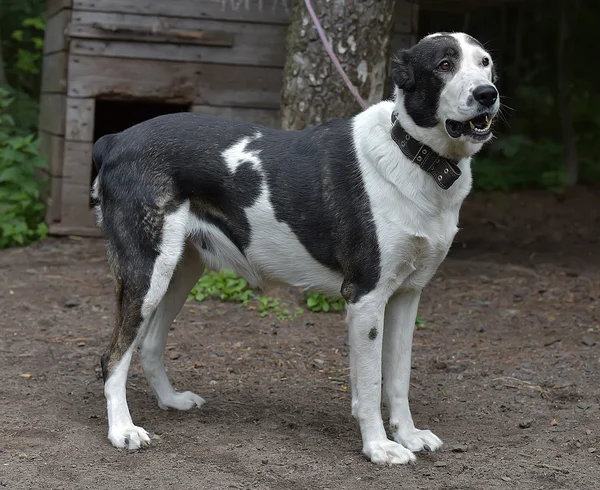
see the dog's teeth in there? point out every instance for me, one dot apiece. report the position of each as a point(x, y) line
point(472, 125)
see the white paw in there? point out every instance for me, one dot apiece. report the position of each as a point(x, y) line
point(130, 437)
point(388, 452)
point(181, 401)
point(418, 440)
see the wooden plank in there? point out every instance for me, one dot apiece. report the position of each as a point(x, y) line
point(242, 54)
point(261, 11)
point(222, 85)
point(85, 231)
point(51, 147)
point(253, 44)
point(52, 114)
point(55, 6)
point(75, 209)
point(54, 73)
point(76, 185)
point(53, 204)
point(265, 117)
point(54, 37)
point(120, 32)
point(77, 164)
point(80, 120)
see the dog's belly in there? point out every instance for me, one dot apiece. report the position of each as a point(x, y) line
point(277, 254)
point(273, 256)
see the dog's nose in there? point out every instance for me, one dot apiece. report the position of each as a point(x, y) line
point(486, 95)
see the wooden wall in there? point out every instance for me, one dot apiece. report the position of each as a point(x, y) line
point(220, 57)
point(53, 99)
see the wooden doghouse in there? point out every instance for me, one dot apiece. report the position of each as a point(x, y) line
point(109, 64)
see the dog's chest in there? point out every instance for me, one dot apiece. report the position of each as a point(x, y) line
point(412, 253)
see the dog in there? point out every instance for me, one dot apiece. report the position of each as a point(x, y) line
point(365, 207)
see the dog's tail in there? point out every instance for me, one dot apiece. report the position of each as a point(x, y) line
point(100, 153)
point(101, 149)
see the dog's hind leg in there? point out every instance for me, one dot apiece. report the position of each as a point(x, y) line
point(400, 316)
point(186, 275)
point(143, 261)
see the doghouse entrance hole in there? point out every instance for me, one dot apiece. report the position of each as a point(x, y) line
point(112, 116)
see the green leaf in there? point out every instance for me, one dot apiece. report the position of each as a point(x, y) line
point(17, 35)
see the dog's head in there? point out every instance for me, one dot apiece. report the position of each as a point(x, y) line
point(446, 81)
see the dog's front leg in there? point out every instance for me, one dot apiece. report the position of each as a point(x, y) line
point(365, 322)
point(400, 316)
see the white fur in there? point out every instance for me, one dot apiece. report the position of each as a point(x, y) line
point(121, 431)
point(171, 247)
point(416, 222)
point(152, 349)
point(471, 74)
point(284, 259)
point(238, 154)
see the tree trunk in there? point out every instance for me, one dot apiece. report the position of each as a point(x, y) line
point(360, 32)
point(566, 14)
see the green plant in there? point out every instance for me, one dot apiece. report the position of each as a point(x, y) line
point(518, 162)
point(225, 285)
point(318, 302)
point(21, 211)
point(267, 305)
point(23, 61)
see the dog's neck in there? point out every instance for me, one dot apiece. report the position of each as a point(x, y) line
point(436, 138)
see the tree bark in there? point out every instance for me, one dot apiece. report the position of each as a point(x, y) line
point(566, 14)
point(360, 32)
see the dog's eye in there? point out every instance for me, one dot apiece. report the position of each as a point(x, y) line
point(444, 65)
point(485, 61)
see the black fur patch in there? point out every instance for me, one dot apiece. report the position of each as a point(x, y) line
point(313, 177)
point(416, 71)
point(373, 333)
point(104, 366)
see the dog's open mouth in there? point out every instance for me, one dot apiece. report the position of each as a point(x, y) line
point(479, 128)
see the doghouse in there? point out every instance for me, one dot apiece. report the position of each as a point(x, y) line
point(109, 64)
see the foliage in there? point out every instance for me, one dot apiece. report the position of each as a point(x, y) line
point(224, 285)
point(318, 302)
point(529, 151)
point(227, 286)
point(519, 163)
point(21, 211)
point(23, 52)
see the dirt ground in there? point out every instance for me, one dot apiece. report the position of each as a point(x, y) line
point(506, 372)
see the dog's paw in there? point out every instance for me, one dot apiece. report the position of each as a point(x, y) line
point(388, 452)
point(418, 440)
point(181, 401)
point(130, 437)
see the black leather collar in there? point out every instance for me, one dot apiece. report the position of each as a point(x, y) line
point(444, 171)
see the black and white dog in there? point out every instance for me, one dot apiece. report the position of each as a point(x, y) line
point(366, 207)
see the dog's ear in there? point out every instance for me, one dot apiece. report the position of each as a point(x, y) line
point(402, 71)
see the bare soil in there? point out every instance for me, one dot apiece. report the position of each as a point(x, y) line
point(506, 371)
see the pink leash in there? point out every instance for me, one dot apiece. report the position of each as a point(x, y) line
point(332, 55)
